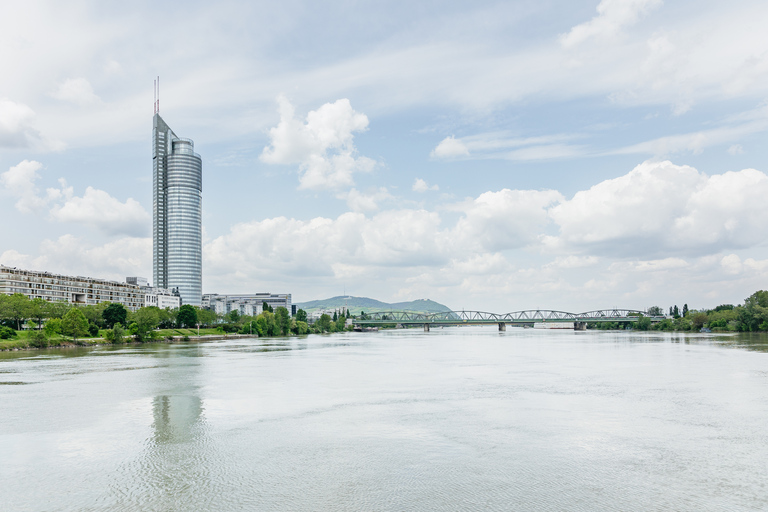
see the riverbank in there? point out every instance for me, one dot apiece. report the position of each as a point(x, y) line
point(23, 344)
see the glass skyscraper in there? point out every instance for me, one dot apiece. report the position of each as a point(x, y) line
point(177, 213)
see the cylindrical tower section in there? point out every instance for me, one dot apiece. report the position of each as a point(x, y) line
point(185, 221)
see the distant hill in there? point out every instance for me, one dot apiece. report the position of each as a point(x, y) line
point(358, 304)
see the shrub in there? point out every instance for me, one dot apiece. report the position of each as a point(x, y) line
point(37, 339)
point(7, 333)
point(93, 329)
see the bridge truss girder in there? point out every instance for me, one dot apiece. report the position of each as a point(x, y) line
point(525, 317)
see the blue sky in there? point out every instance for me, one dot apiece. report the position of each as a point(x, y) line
point(488, 155)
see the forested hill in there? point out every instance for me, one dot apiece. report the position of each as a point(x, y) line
point(358, 304)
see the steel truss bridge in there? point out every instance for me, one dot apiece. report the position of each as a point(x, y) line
point(527, 318)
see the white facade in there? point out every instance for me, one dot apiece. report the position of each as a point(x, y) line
point(74, 290)
point(161, 298)
point(249, 305)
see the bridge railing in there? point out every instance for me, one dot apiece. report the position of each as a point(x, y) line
point(483, 317)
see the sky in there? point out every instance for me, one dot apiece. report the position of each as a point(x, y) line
point(496, 156)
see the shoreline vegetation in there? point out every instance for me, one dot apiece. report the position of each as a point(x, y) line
point(34, 323)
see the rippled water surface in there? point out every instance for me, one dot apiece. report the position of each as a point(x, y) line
point(453, 419)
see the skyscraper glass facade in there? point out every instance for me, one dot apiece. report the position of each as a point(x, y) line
point(177, 213)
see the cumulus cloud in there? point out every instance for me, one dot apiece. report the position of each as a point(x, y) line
point(366, 202)
point(422, 186)
point(507, 219)
point(17, 131)
point(612, 16)
point(19, 181)
point(661, 207)
point(96, 208)
point(77, 256)
point(450, 147)
point(77, 91)
point(323, 145)
point(102, 211)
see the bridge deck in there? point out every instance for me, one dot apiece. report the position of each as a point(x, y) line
point(527, 317)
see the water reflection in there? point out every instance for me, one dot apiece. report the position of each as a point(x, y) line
point(177, 419)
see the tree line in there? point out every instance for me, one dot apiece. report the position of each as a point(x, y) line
point(44, 321)
point(752, 316)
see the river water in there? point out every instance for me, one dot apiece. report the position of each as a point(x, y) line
point(454, 419)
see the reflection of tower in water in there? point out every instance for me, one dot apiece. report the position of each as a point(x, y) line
point(176, 468)
point(177, 418)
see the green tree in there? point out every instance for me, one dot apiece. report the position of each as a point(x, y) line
point(266, 307)
point(206, 316)
point(233, 316)
point(116, 334)
point(301, 316)
point(698, 319)
point(260, 325)
point(655, 311)
point(74, 324)
point(643, 323)
point(283, 319)
point(52, 327)
point(38, 310)
point(18, 309)
point(335, 317)
point(187, 316)
point(299, 327)
point(57, 309)
point(323, 323)
point(685, 309)
point(341, 323)
point(755, 312)
point(114, 313)
point(146, 320)
point(675, 312)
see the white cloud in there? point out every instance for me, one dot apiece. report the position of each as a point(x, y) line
point(736, 149)
point(366, 202)
point(323, 146)
point(19, 181)
point(422, 186)
point(450, 147)
point(77, 256)
point(661, 207)
point(77, 91)
point(697, 142)
point(507, 219)
point(17, 131)
point(612, 16)
point(102, 211)
point(96, 208)
point(503, 146)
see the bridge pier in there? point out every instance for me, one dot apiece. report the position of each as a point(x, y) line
point(426, 327)
point(502, 327)
point(579, 326)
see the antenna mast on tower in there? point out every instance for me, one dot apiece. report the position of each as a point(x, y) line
point(156, 103)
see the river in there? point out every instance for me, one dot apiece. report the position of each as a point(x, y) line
point(453, 419)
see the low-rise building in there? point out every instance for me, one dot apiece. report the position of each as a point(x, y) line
point(245, 304)
point(161, 298)
point(74, 290)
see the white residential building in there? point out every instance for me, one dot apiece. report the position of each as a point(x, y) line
point(74, 290)
point(250, 305)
